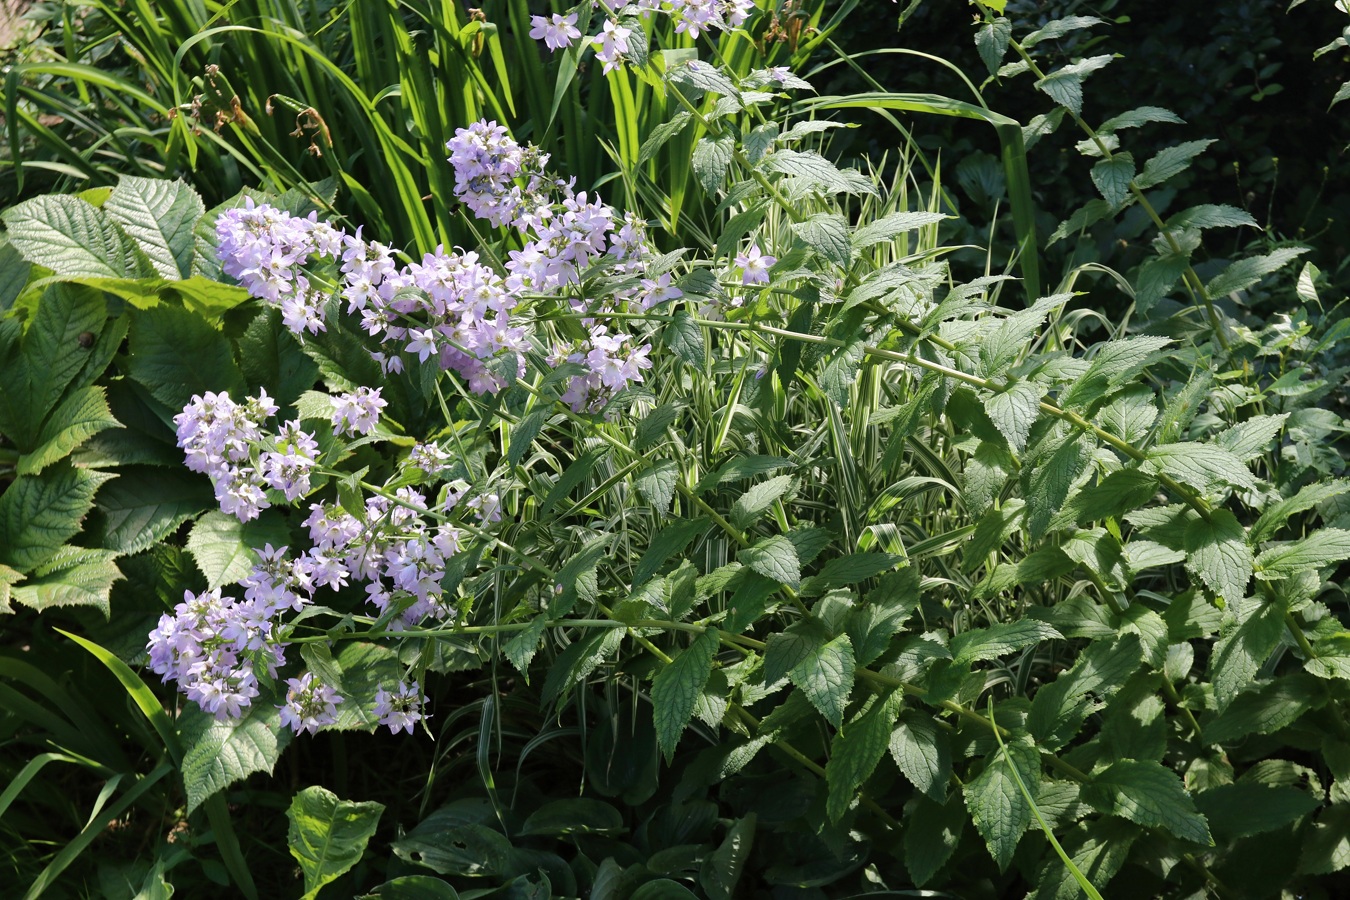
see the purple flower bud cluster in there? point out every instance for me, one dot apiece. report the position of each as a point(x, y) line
point(310, 704)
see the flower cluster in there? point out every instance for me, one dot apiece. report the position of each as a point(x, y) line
point(691, 17)
point(400, 708)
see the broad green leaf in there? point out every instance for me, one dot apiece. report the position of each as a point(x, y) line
point(841, 371)
point(160, 215)
point(676, 688)
point(1276, 515)
point(73, 576)
point(668, 542)
point(1217, 553)
point(1065, 85)
point(1326, 847)
point(1057, 28)
point(1112, 177)
point(217, 754)
point(662, 133)
point(1118, 493)
point(1059, 708)
point(575, 815)
point(145, 504)
point(1115, 364)
point(521, 648)
point(328, 836)
point(704, 77)
point(1000, 811)
point(807, 165)
point(656, 484)
point(1138, 117)
point(1000, 639)
point(1014, 410)
point(73, 239)
point(455, 845)
point(8, 578)
point(365, 668)
point(1157, 278)
point(856, 750)
point(931, 838)
point(1205, 467)
point(270, 357)
point(712, 157)
point(1083, 218)
point(683, 337)
point(1244, 273)
point(1210, 215)
point(1050, 479)
point(1240, 653)
point(413, 887)
point(524, 433)
point(774, 557)
point(573, 576)
point(39, 513)
point(792, 646)
point(1321, 548)
point(758, 499)
point(1102, 852)
point(889, 227)
point(851, 569)
point(176, 354)
point(1169, 162)
point(1151, 795)
point(1248, 440)
point(827, 234)
point(826, 677)
point(739, 468)
point(83, 414)
point(923, 753)
point(741, 224)
point(722, 870)
point(1246, 808)
point(223, 547)
point(992, 43)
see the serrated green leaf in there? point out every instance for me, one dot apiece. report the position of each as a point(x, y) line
point(758, 499)
point(1059, 709)
point(841, 371)
point(668, 541)
point(1217, 553)
point(1274, 517)
point(1170, 162)
point(656, 484)
point(73, 239)
point(1156, 279)
point(1148, 794)
point(521, 648)
point(1240, 653)
point(328, 836)
point(217, 754)
point(1000, 639)
point(1326, 846)
point(72, 576)
point(992, 42)
point(1139, 116)
point(759, 141)
point(741, 224)
point(223, 547)
point(1065, 86)
point(1114, 365)
point(1321, 548)
point(365, 668)
point(826, 677)
point(1205, 467)
point(923, 753)
point(790, 647)
point(572, 576)
point(676, 688)
point(1113, 176)
point(146, 504)
point(807, 165)
point(1000, 812)
point(704, 76)
point(1210, 215)
point(39, 513)
point(1084, 217)
point(1244, 273)
point(683, 337)
point(774, 557)
point(932, 836)
point(1014, 410)
point(1266, 709)
point(712, 157)
point(1057, 28)
point(856, 750)
point(1051, 480)
point(80, 416)
point(524, 433)
point(1248, 440)
point(662, 133)
point(160, 216)
point(889, 227)
point(827, 234)
point(1104, 848)
point(176, 354)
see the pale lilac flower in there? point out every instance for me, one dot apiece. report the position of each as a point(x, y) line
point(310, 704)
point(358, 411)
point(612, 43)
point(755, 266)
point(557, 33)
point(401, 708)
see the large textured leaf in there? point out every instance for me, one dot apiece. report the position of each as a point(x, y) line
point(923, 753)
point(160, 215)
point(1240, 653)
point(656, 484)
point(222, 546)
point(931, 838)
point(827, 234)
point(219, 754)
point(826, 677)
point(1000, 811)
point(1000, 639)
point(856, 750)
point(756, 501)
point(145, 504)
point(175, 354)
point(711, 159)
point(1112, 177)
point(73, 239)
point(365, 668)
point(774, 557)
point(83, 414)
point(1218, 554)
point(722, 870)
point(1014, 410)
point(1148, 794)
point(1059, 708)
point(1321, 548)
point(39, 513)
point(73, 576)
point(676, 688)
point(327, 835)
